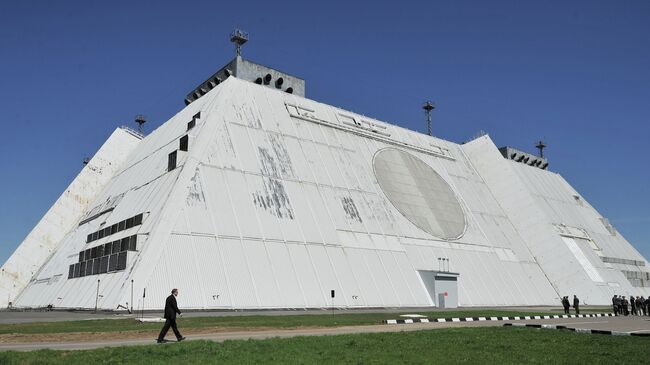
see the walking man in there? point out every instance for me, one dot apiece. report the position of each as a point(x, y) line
point(576, 304)
point(171, 309)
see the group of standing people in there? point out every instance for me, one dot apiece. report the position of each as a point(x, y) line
point(567, 305)
point(638, 306)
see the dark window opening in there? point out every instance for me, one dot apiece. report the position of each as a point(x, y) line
point(129, 223)
point(82, 269)
point(107, 248)
point(112, 262)
point(133, 243)
point(171, 161)
point(103, 265)
point(114, 228)
point(197, 116)
point(93, 253)
point(81, 256)
point(124, 244)
point(116, 247)
point(107, 231)
point(100, 234)
point(121, 226)
point(184, 142)
point(89, 268)
point(71, 272)
point(95, 236)
point(137, 220)
point(96, 266)
point(121, 261)
point(87, 255)
point(77, 270)
point(191, 124)
point(100, 250)
point(89, 238)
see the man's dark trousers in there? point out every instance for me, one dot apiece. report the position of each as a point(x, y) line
point(169, 323)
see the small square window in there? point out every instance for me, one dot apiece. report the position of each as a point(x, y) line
point(121, 226)
point(191, 124)
point(197, 116)
point(183, 143)
point(107, 231)
point(171, 161)
point(116, 247)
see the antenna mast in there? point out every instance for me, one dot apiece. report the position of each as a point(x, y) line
point(238, 37)
point(428, 107)
point(540, 145)
point(141, 120)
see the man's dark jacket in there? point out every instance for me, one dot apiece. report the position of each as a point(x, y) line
point(171, 308)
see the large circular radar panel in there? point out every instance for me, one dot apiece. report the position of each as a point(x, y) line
point(419, 193)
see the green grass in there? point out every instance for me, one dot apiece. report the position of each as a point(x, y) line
point(484, 345)
point(239, 322)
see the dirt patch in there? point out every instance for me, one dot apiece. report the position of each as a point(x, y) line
point(120, 335)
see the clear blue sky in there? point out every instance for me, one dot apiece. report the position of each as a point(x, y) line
point(575, 73)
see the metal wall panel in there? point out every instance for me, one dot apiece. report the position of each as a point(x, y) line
point(263, 274)
point(238, 270)
point(313, 291)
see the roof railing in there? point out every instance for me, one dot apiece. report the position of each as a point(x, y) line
point(133, 132)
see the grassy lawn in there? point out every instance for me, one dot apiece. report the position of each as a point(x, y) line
point(484, 345)
point(240, 322)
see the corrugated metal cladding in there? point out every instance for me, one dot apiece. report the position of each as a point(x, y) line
point(275, 200)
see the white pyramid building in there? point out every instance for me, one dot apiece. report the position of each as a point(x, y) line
point(252, 197)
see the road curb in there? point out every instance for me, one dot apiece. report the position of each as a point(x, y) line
point(477, 319)
point(577, 330)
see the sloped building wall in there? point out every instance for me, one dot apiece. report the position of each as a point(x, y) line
point(565, 234)
point(66, 212)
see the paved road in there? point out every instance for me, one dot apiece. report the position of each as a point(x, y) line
point(622, 324)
